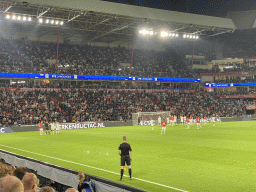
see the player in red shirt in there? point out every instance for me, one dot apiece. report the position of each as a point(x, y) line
point(164, 123)
point(205, 119)
point(41, 128)
point(188, 123)
point(198, 122)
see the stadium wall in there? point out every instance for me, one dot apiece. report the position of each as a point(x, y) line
point(87, 125)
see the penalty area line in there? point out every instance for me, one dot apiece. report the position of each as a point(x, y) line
point(94, 168)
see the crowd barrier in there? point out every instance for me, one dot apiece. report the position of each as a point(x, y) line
point(63, 175)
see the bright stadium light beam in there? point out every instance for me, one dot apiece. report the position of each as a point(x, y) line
point(14, 17)
point(40, 20)
point(29, 19)
point(19, 18)
point(52, 21)
point(74, 18)
point(24, 18)
point(56, 22)
point(164, 34)
point(184, 36)
point(177, 35)
point(151, 33)
point(61, 23)
point(47, 21)
point(8, 16)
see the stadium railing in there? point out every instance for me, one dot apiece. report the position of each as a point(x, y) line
point(63, 175)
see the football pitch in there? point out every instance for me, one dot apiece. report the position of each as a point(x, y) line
point(212, 158)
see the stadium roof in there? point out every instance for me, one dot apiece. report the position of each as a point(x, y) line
point(107, 22)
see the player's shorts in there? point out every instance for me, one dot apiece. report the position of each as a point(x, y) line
point(127, 159)
point(163, 127)
point(47, 128)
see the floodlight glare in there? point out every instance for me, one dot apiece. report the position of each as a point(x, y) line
point(184, 36)
point(19, 18)
point(61, 23)
point(8, 16)
point(173, 34)
point(24, 19)
point(164, 34)
point(187, 36)
point(13, 17)
point(177, 35)
point(151, 32)
point(56, 22)
point(40, 20)
point(29, 19)
point(197, 37)
point(47, 21)
point(190, 36)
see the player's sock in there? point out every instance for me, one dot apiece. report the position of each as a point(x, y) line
point(122, 173)
point(130, 173)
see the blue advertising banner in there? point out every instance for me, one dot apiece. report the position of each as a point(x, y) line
point(92, 77)
point(230, 84)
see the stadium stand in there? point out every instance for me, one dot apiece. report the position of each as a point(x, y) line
point(32, 105)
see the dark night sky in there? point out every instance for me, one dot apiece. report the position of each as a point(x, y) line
point(218, 8)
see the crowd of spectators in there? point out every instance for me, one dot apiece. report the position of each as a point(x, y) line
point(19, 56)
point(20, 179)
point(28, 106)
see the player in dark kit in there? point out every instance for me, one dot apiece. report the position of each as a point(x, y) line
point(125, 151)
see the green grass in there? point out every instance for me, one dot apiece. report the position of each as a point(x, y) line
point(187, 159)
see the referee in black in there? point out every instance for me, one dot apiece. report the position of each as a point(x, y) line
point(125, 151)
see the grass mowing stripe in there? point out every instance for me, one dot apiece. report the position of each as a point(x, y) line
point(93, 167)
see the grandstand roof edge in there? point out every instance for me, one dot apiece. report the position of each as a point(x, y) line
point(139, 12)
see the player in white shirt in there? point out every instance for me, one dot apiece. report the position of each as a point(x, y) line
point(159, 120)
point(52, 128)
point(213, 120)
point(184, 119)
point(57, 127)
point(175, 120)
point(181, 120)
point(152, 124)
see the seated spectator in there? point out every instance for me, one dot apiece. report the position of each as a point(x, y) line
point(47, 189)
point(11, 184)
point(71, 190)
point(30, 182)
point(5, 170)
point(85, 183)
point(20, 172)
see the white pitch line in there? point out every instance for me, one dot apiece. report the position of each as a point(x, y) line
point(95, 168)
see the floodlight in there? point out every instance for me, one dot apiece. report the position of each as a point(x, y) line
point(56, 22)
point(164, 34)
point(47, 21)
point(177, 35)
point(151, 32)
point(194, 37)
point(8, 16)
point(14, 17)
point(19, 18)
point(61, 23)
point(197, 37)
point(184, 36)
point(190, 36)
point(173, 34)
point(29, 19)
point(24, 18)
point(52, 21)
point(40, 20)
